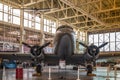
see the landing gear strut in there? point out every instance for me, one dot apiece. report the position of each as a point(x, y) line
point(38, 70)
point(89, 70)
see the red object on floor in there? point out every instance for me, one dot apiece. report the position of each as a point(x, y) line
point(19, 73)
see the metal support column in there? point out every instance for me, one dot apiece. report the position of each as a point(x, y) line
point(86, 37)
point(21, 30)
point(42, 29)
point(57, 23)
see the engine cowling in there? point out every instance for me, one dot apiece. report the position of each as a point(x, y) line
point(93, 51)
point(35, 51)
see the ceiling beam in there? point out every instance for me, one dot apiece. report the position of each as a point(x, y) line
point(90, 2)
point(82, 11)
point(82, 22)
point(16, 5)
point(108, 10)
point(57, 10)
point(61, 21)
point(71, 17)
point(32, 3)
point(99, 27)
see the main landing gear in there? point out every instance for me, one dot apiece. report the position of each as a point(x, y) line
point(89, 70)
point(38, 70)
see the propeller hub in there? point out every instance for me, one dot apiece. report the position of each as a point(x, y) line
point(93, 50)
point(35, 51)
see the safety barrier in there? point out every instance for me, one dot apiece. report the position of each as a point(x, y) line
point(78, 74)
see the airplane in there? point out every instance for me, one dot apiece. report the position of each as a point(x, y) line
point(64, 47)
point(64, 50)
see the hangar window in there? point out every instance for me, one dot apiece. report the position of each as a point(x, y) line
point(5, 8)
point(45, 27)
point(16, 12)
point(91, 38)
point(117, 46)
point(25, 22)
point(1, 15)
point(112, 46)
point(49, 25)
point(117, 36)
point(113, 39)
point(29, 22)
point(25, 15)
point(1, 7)
point(54, 27)
point(96, 38)
point(101, 38)
point(106, 35)
point(37, 26)
point(5, 17)
point(16, 20)
point(107, 47)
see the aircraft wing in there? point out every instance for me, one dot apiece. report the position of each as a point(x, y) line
point(51, 59)
point(76, 59)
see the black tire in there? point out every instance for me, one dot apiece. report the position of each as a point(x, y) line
point(89, 69)
point(39, 68)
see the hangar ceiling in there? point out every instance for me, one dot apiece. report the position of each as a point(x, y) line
point(87, 15)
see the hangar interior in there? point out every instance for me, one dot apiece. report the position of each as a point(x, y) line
point(36, 21)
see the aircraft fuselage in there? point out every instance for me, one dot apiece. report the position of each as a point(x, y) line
point(64, 42)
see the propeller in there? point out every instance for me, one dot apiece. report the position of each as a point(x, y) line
point(26, 44)
point(83, 44)
point(44, 45)
point(93, 50)
point(102, 45)
point(36, 49)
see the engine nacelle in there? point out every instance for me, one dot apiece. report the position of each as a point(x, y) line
point(92, 52)
point(36, 52)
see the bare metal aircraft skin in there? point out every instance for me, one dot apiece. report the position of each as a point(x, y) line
point(64, 47)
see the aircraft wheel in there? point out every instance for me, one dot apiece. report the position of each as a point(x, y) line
point(38, 68)
point(89, 69)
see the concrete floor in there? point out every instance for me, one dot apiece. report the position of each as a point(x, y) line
point(101, 74)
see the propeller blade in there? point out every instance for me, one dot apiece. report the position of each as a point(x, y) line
point(102, 45)
point(26, 44)
point(44, 45)
point(83, 44)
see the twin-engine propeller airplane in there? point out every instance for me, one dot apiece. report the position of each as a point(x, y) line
point(64, 47)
